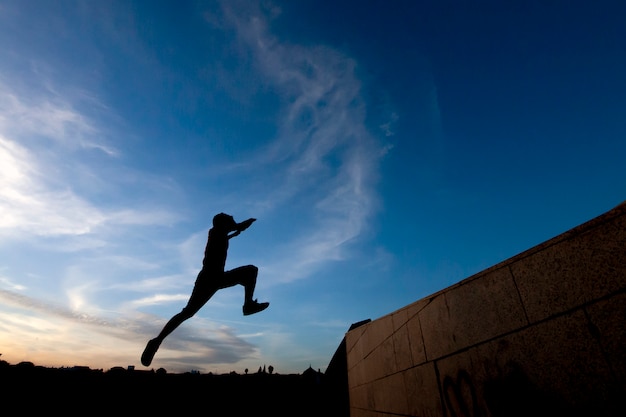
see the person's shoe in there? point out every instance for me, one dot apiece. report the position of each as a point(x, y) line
point(149, 351)
point(252, 307)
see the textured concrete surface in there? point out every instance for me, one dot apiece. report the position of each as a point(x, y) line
point(542, 333)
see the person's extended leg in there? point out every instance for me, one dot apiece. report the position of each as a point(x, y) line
point(246, 276)
point(199, 296)
point(177, 320)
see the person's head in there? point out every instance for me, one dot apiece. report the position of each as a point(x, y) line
point(224, 221)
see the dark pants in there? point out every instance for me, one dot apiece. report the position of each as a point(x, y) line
point(206, 286)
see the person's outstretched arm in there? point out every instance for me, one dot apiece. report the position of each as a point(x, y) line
point(240, 227)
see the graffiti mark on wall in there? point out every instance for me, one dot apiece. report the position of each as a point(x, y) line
point(460, 395)
point(509, 393)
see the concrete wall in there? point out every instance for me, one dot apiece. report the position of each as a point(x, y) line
point(542, 333)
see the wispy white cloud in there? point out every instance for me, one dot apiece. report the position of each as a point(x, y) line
point(33, 304)
point(157, 299)
point(388, 127)
point(41, 140)
point(44, 113)
point(6, 282)
point(150, 285)
point(30, 204)
point(27, 205)
point(324, 151)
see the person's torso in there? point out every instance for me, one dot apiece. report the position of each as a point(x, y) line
point(215, 252)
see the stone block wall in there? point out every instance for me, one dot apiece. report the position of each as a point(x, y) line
point(541, 334)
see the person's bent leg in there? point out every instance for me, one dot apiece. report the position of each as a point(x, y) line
point(246, 276)
point(249, 273)
point(243, 275)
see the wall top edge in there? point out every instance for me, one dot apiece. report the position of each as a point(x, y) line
point(618, 211)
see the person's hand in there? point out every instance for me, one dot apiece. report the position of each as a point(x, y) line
point(245, 224)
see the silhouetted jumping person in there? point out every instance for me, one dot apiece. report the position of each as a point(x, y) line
point(211, 278)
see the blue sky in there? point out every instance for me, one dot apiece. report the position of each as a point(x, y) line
point(388, 151)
